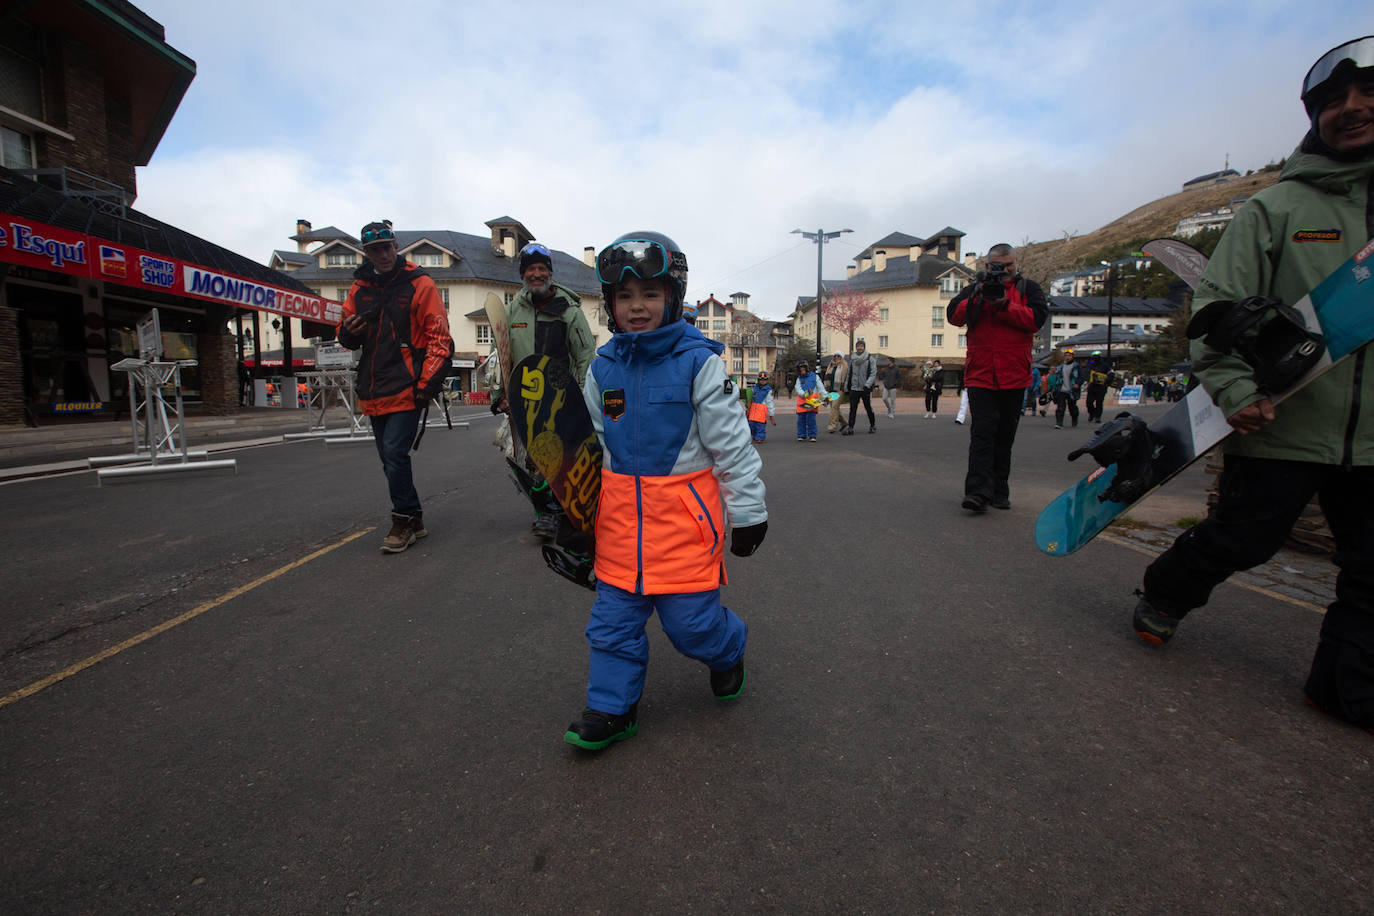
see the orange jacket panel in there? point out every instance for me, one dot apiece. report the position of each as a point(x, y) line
point(660, 535)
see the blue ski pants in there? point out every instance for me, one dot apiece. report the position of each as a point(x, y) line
point(759, 428)
point(806, 424)
point(696, 623)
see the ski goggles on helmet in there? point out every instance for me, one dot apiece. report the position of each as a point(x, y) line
point(1358, 53)
point(642, 258)
point(374, 233)
point(534, 248)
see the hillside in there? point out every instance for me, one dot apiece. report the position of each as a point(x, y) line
point(1042, 260)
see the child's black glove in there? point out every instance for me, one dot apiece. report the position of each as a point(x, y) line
point(744, 541)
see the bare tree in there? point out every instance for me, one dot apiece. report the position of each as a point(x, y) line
point(848, 309)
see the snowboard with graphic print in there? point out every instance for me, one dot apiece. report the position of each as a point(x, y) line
point(1340, 308)
point(551, 418)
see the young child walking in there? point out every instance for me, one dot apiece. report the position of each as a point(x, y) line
point(677, 468)
point(761, 408)
point(810, 393)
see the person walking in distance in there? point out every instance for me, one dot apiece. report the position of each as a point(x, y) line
point(1002, 312)
point(810, 393)
point(892, 380)
point(863, 372)
point(834, 377)
point(761, 408)
point(1321, 439)
point(933, 382)
point(1066, 382)
point(394, 314)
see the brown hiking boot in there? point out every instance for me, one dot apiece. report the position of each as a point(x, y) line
point(402, 534)
point(418, 525)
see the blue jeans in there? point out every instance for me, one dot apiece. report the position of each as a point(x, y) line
point(395, 433)
point(696, 623)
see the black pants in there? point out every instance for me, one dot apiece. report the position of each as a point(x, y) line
point(995, 415)
point(854, 398)
point(933, 401)
point(1093, 402)
point(1062, 399)
point(1260, 499)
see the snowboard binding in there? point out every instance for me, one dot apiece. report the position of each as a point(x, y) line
point(1269, 335)
point(1126, 442)
point(574, 567)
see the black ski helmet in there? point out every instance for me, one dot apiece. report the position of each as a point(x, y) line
point(535, 253)
point(648, 256)
point(1340, 63)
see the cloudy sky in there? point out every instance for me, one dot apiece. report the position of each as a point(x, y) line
point(723, 123)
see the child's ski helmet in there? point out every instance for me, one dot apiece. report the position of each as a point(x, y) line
point(763, 376)
point(648, 256)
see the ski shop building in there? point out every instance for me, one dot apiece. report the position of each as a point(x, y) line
point(89, 89)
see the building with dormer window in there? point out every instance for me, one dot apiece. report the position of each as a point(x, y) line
point(464, 268)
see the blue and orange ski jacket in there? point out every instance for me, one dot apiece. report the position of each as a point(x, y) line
point(678, 463)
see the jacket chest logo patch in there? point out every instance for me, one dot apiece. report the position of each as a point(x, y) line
point(520, 324)
point(1317, 235)
point(613, 404)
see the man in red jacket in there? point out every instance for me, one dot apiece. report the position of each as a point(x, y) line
point(395, 314)
point(1002, 311)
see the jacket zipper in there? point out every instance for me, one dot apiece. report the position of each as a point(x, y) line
point(639, 493)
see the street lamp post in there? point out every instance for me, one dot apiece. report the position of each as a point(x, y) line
point(820, 237)
point(1111, 284)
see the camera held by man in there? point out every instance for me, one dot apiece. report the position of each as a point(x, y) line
point(992, 288)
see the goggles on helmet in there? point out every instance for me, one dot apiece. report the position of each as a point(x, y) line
point(642, 258)
point(377, 232)
point(1359, 52)
point(536, 248)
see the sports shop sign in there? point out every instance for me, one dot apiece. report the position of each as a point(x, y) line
point(34, 244)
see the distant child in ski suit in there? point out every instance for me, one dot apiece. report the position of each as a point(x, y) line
point(678, 468)
point(761, 408)
point(810, 393)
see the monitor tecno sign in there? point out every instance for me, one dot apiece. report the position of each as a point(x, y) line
point(209, 285)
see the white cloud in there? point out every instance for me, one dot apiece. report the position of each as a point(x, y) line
point(721, 123)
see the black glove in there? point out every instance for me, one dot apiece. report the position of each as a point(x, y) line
point(744, 541)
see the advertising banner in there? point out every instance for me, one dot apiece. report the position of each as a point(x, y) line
point(35, 244)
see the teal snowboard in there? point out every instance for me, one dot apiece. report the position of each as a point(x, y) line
point(1340, 308)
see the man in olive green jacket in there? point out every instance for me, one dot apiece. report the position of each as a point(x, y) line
point(1321, 441)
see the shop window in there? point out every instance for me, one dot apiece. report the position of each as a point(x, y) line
point(16, 149)
point(21, 78)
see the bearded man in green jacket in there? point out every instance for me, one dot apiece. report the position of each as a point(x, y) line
point(1281, 243)
point(545, 319)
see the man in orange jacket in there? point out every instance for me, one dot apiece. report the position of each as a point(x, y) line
point(394, 313)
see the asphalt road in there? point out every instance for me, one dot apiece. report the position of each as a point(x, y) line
point(938, 718)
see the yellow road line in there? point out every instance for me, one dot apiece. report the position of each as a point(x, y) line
point(175, 621)
point(1259, 589)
